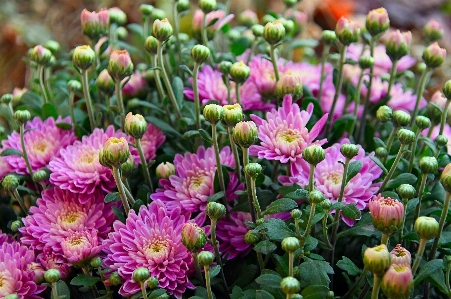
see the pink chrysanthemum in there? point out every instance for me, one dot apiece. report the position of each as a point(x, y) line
point(59, 212)
point(404, 99)
point(151, 141)
point(151, 239)
point(16, 277)
point(329, 174)
point(262, 74)
point(42, 142)
point(51, 260)
point(81, 246)
point(215, 14)
point(79, 170)
point(5, 238)
point(5, 168)
point(231, 235)
point(135, 87)
point(284, 134)
point(193, 182)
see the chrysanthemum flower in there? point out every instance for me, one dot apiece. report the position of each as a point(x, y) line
point(193, 182)
point(81, 246)
point(329, 174)
point(284, 134)
point(262, 74)
point(231, 233)
point(135, 87)
point(51, 260)
point(79, 170)
point(59, 212)
point(403, 99)
point(151, 239)
point(387, 213)
point(5, 168)
point(222, 20)
point(151, 141)
point(400, 256)
point(42, 142)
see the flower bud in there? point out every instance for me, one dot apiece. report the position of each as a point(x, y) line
point(53, 46)
point(376, 259)
point(248, 18)
point(313, 154)
point(447, 90)
point(15, 225)
point(153, 282)
point(6, 98)
point(384, 113)
point(224, 67)
point(96, 262)
point(290, 3)
point(239, 72)
point(290, 244)
point(316, 197)
point(117, 16)
point(213, 113)
point(105, 83)
point(41, 55)
point(115, 279)
point(22, 116)
point(245, 134)
point(366, 62)
point(10, 182)
point(377, 21)
point(289, 83)
point(260, 221)
point(215, 210)
point(252, 237)
point(397, 281)
point(434, 113)
point(121, 33)
point(146, 9)
point(329, 37)
point(387, 213)
point(433, 31)
point(120, 64)
point(445, 178)
point(41, 175)
point(128, 166)
point(151, 45)
point(233, 114)
point(52, 275)
point(398, 44)
point(288, 24)
point(74, 85)
point(347, 31)
point(349, 150)
point(422, 122)
point(206, 258)
point(400, 256)
point(401, 118)
point(183, 5)
point(83, 57)
point(253, 170)
point(428, 164)
point(257, 30)
point(290, 285)
point(115, 151)
point(296, 213)
point(406, 191)
point(381, 152)
point(162, 30)
point(326, 204)
point(140, 275)
point(165, 170)
point(193, 237)
point(207, 5)
point(95, 24)
point(234, 35)
point(274, 32)
point(12, 296)
point(200, 53)
point(441, 140)
point(426, 227)
point(135, 125)
point(406, 136)
point(158, 14)
point(434, 56)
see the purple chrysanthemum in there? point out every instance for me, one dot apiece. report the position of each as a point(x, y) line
point(51, 260)
point(329, 174)
point(5, 168)
point(16, 275)
point(231, 234)
point(151, 141)
point(283, 134)
point(59, 212)
point(193, 182)
point(81, 246)
point(151, 239)
point(43, 143)
point(79, 170)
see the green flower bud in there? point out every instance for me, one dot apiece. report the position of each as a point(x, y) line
point(313, 154)
point(288, 25)
point(245, 134)
point(366, 62)
point(384, 113)
point(274, 32)
point(289, 83)
point(15, 225)
point(41, 175)
point(325, 204)
point(401, 118)
point(183, 5)
point(347, 31)
point(151, 45)
point(316, 197)
point(447, 89)
point(53, 46)
point(290, 285)
point(96, 262)
point(445, 178)
point(152, 282)
point(105, 83)
point(41, 55)
point(234, 35)
point(435, 113)
point(233, 114)
point(52, 275)
point(252, 237)
point(6, 98)
point(165, 170)
point(257, 30)
point(206, 258)
point(422, 122)
point(377, 21)
point(330, 295)
point(376, 259)
point(120, 64)
point(135, 125)
point(248, 18)
point(10, 182)
point(441, 140)
point(162, 30)
point(193, 237)
point(22, 116)
point(406, 191)
point(329, 37)
point(200, 53)
point(128, 166)
point(406, 136)
point(224, 67)
point(260, 221)
point(296, 213)
point(433, 56)
point(207, 5)
point(290, 244)
point(290, 3)
point(140, 275)
point(213, 113)
point(158, 14)
point(239, 72)
point(115, 152)
point(381, 152)
point(253, 170)
point(428, 164)
point(146, 9)
point(215, 210)
point(83, 57)
point(349, 150)
point(117, 16)
point(115, 279)
point(433, 31)
point(426, 227)
point(74, 85)
point(268, 18)
point(121, 33)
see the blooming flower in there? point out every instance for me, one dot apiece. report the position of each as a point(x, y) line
point(42, 143)
point(151, 141)
point(439, 99)
point(81, 246)
point(79, 170)
point(5, 168)
point(151, 239)
point(135, 87)
point(216, 14)
point(231, 235)
point(403, 99)
point(51, 260)
point(329, 174)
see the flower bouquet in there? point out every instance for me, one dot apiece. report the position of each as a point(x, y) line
point(217, 165)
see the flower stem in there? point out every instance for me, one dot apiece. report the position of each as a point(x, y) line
point(324, 57)
point(325, 235)
point(205, 37)
point(196, 95)
point(19, 199)
point(355, 286)
point(255, 200)
point(196, 266)
point(160, 89)
point(444, 117)
point(393, 168)
point(176, 34)
point(357, 103)
point(85, 83)
point(237, 93)
point(311, 178)
point(54, 291)
point(441, 224)
point(120, 187)
point(248, 183)
point(337, 88)
point(143, 289)
point(144, 164)
point(41, 83)
point(219, 166)
point(217, 254)
point(384, 238)
point(71, 107)
point(227, 84)
point(236, 157)
point(424, 178)
point(24, 149)
point(390, 140)
point(401, 231)
point(392, 76)
point(207, 281)
point(274, 62)
point(414, 148)
point(376, 286)
point(419, 255)
point(309, 224)
point(129, 196)
point(340, 199)
point(145, 27)
point(424, 76)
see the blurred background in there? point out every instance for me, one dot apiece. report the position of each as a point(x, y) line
point(26, 23)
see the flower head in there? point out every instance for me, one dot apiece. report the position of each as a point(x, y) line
point(51, 260)
point(136, 87)
point(397, 281)
point(400, 256)
point(81, 246)
point(215, 14)
point(94, 23)
point(433, 30)
point(387, 213)
point(5, 168)
point(120, 64)
point(152, 139)
point(347, 31)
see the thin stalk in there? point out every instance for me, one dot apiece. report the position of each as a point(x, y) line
point(355, 286)
point(248, 184)
point(205, 37)
point(129, 196)
point(393, 168)
point(309, 224)
point(19, 199)
point(376, 286)
point(93, 288)
point(54, 291)
point(424, 178)
point(176, 34)
point(196, 95)
point(356, 103)
point(113, 35)
point(390, 140)
point(254, 44)
point(214, 242)
point(444, 117)
point(227, 6)
point(207, 281)
point(441, 224)
point(298, 232)
point(365, 290)
point(117, 178)
point(311, 178)
point(392, 76)
point(325, 235)
point(143, 289)
point(255, 200)
point(120, 102)
point(41, 83)
point(384, 238)
point(24, 149)
point(337, 88)
point(85, 83)
point(324, 57)
point(227, 83)
point(236, 157)
point(424, 76)
point(261, 263)
point(144, 164)
point(274, 62)
point(290, 264)
point(107, 287)
point(419, 255)
point(219, 166)
point(414, 148)
point(48, 86)
point(166, 81)
point(401, 231)
point(71, 106)
point(237, 92)
point(196, 266)
point(146, 27)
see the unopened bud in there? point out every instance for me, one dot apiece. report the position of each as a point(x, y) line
point(117, 16)
point(120, 64)
point(224, 67)
point(152, 282)
point(15, 225)
point(151, 45)
point(105, 83)
point(207, 5)
point(183, 5)
point(213, 113)
point(115, 279)
point(441, 140)
point(258, 30)
point(96, 262)
point(83, 57)
point(447, 90)
point(296, 214)
point(239, 72)
point(381, 152)
point(290, 244)
point(347, 31)
point(406, 191)
point(329, 37)
point(52, 275)
point(146, 9)
point(366, 62)
point(401, 118)
point(406, 136)
point(433, 31)
point(74, 85)
point(376, 259)
point(326, 204)
point(384, 113)
point(245, 134)
point(22, 116)
point(397, 281)
point(426, 227)
point(158, 14)
point(53, 46)
point(252, 237)
point(377, 21)
point(290, 285)
point(41, 175)
point(428, 164)
point(349, 150)
point(434, 113)
point(128, 166)
point(274, 32)
point(115, 152)
point(248, 18)
point(215, 210)
point(289, 83)
point(10, 182)
point(135, 125)
point(193, 237)
point(253, 170)
point(140, 275)
point(41, 55)
point(313, 154)
point(6, 98)
point(200, 53)
point(165, 170)
point(162, 30)
point(422, 122)
point(206, 258)
point(434, 56)
point(316, 197)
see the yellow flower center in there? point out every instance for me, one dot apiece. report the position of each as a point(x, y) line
point(289, 136)
point(334, 176)
point(40, 145)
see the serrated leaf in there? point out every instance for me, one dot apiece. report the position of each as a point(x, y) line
point(314, 272)
point(310, 243)
point(216, 196)
point(427, 269)
point(84, 280)
point(186, 69)
point(269, 280)
point(157, 293)
point(64, 126)
point(353, 169)
point(112, 197)
point(205, 136)
point(315, 292)
point(351, 211)
point(403, 178)
point(280, 205)
point(62, 290)
point(265, 247)
point(349, 266)
point(262, 294)
point(276, 229)
point(11, 152)
point(378, 163)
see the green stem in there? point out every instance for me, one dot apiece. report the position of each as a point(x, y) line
point(85, 83)
point(311, 178)
point(401, 231)
point(219, 166)
point(419, 255)
point(129, 196)
point(237, 92)
point(207, 281)
point(384, 238)
point(255, 200)
point(236, 157)
point(390, 140)
point(355, 286)
point(274, 62)
point(113, 35)
point(424, 76)
point(205, 37)
point(376, 286)
point(217, 254)
point(145, 27)
point(253, 46)
point(227, 83)
point(196, 95)
point(143, 289)
point(298, 232)
point(441, 224)
point(393, 168)
point(424, 177)
point(48, 86)
point(392, 76)
point(19, 199)
point(41, 83)
point(261, 263)
point(117, 178)
point(176, 34)
point(248, 183)
point(144, 164)
point(444, 117)
point(54, 291)
point(325, 235)
point(93, 288)
point(71, 107)
point(414, 148)
point(337, 88)
point(324, 57)
point(196, 266)
point(120, 102)
point(357, 103)
point(24, 149)
point(309, 224)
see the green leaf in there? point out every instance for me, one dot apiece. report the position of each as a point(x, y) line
point(216, 196)
point(205, 136)
point(177, 86)
point(120, 216)
point(64, 126)
point(11, 152)
point(353, 169)
point(239, 46)
point(428, 269)
point(429, 143)
point(310, 243)
point(138, 203)
point(262, 294)
point(62, 290)
point(351, 211)
point(157, 293)
point(314, 272)
point(281, 205)
point(438, 280)
point(190, 134)
point(363, 228)
point(341, 125)
point(186, 69)
point(215, 271)
point(84, 280)
point(298, 194)
point(269, 280)
point(112, 197)
point(202, 292)
point(164, 126)
point(349, 266)
point(315, 292)
point(411, 205)
point(32, 101)
point(403, 178)
point(265, 247)
point(48, 110)
point(276, 229)
point(379, 163)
